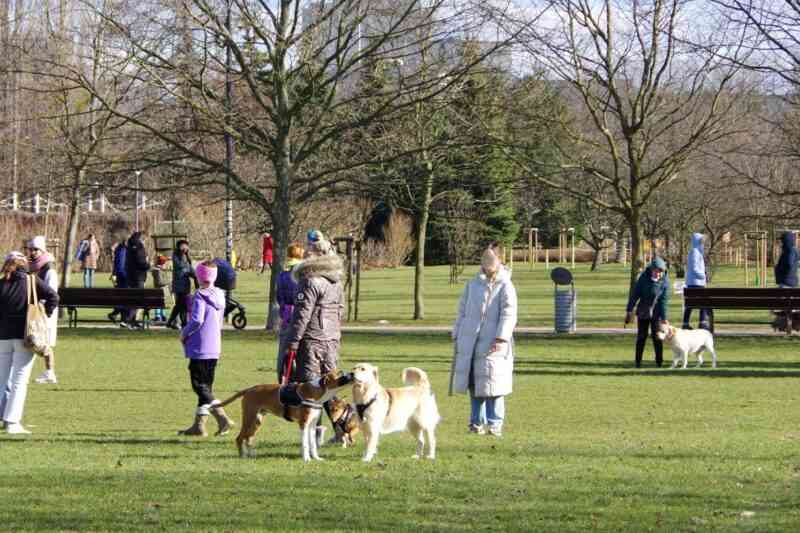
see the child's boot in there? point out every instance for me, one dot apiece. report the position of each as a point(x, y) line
point(223, 422)
point(198, 429)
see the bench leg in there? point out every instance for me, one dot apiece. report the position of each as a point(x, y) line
point(788, 321)
point(72, 317)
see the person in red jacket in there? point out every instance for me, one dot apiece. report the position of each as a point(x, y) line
point(266, 252)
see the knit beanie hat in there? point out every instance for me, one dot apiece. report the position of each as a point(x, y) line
point(318, 243)
point(489, 260)
point(206, 274)
point(14, 255)
point(38, 243)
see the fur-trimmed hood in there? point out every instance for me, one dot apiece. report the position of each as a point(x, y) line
point(329, 267)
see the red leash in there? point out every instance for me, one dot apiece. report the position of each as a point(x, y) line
point(287, 373)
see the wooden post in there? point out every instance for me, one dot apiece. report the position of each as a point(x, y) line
point(547, 258)
point(572, 232)
point(744, 258)
point(530, 247)
point(358, 279)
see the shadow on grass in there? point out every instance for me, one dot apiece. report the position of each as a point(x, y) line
point(650, 372)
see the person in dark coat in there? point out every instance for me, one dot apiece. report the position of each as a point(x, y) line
point(16, 359)
point(651, 293)
point(182, 277)
point(786, 267)
point(119, 275)
point(136, 267)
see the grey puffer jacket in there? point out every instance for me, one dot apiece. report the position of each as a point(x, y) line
point(318, 307)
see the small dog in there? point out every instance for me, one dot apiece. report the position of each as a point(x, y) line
point(384, 410)
point(345, 422)
point(261, 399)
point(684, 342)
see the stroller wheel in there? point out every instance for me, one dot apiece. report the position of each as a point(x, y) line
point(239, 320)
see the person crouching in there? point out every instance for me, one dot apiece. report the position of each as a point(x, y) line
point(202, 342)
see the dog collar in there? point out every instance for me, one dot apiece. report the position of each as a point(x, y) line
point(362, 407)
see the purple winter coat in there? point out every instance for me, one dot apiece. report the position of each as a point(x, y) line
point(203, 333)
point(287, 290)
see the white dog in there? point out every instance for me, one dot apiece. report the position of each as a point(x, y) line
point(685, 341)
point(383, 410)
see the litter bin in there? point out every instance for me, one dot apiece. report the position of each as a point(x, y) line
point(564, 300)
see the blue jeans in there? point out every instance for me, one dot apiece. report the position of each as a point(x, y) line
point(491, 410)
point(88, 278)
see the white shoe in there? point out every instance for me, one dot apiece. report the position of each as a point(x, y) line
point(15, 428)
point(475, 428)
point(48, 376)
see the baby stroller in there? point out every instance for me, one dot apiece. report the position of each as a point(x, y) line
point(226, 280)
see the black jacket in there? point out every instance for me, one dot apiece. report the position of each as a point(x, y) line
point(14, 303)
point(136, 265)
point(786, 267)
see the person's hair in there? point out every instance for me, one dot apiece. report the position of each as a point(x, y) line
point(210, 263)
point(13, 264)
point(180, 243)
point(295, 251)
point(90, 236)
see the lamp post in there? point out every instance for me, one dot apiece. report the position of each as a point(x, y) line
point(138, 188)
point(228, 138)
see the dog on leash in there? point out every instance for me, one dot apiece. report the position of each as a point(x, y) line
point(301, 404)
point(684, 342)
point(382, 410)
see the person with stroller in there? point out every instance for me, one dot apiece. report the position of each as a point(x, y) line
point(182, 277)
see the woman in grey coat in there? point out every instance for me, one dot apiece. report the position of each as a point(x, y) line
point(484, 348)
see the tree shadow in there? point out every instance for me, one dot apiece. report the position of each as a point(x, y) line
point(651, 372)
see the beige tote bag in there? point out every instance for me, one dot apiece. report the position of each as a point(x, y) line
point(36, 337)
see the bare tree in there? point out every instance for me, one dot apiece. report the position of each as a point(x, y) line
point(644, 100)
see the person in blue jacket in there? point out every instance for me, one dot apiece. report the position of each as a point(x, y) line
point(696, 277)
point(651, 293)
point(119, 276)
point(786, 267)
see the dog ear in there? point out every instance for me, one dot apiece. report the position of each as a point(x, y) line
point(375, 372)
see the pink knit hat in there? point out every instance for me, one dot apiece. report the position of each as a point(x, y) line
point(206, 274)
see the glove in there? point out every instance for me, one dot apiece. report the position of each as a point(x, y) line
point(629, 317)
point(292, 347)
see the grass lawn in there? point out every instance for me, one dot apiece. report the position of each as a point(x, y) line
point(387, 295)
point(589, 444)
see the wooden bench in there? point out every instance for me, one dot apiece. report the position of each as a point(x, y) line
point(772, 299)
point(110, 298)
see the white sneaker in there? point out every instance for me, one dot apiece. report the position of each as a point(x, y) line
point(15, 428)
point(474, 428)
point(496, 431)
point(48, 376)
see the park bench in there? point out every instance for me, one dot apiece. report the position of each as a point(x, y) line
point(110, 298)
point(772, 299)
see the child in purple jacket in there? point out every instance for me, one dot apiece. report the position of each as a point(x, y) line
point(286, 291)
point(202, 340)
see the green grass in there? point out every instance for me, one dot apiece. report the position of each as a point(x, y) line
point(590, 444)
point(387, 295)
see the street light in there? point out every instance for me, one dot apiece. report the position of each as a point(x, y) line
point(138, 187)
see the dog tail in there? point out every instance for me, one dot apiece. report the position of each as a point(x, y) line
point(232, 398)
point(416, 377)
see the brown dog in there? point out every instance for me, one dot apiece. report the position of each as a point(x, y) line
point(261, 399)
point(345, 422)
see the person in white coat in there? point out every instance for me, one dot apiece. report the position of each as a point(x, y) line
point(483, 362)
point(42, 264)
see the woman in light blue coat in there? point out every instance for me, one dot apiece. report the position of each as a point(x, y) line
point(483, 362)
point(696, 277)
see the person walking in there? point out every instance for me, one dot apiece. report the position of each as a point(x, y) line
point(119, 276)
point(16, 359)
point(89, 254)
point(695, 278)
point(136, 268)
point(182, 277)
point(42, 263)
point(650, 296)
point(786, 267)
point(202, 345)
point(314, 333)
point(483, 362)
point(266, 251)
point(286, 292)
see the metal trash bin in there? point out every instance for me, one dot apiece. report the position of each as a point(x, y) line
point(564, 300)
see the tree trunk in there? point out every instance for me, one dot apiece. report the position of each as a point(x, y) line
point(422, 231)
point(281, 217)
point(637, 237)
point(596, 258)
point(72, 228)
